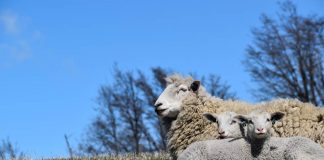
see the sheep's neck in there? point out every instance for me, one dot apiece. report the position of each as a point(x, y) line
point(167, 123)
point(257, 145)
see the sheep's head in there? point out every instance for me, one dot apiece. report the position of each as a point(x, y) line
point(178, 88)
point(258, 123)
point(228, 125)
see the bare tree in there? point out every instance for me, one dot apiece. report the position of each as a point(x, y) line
point(102, 134)
point(10, 151)
point(126, 120)
point(286, 58)
point(71, 153)
point(151, 92)
point(121, 125)
point(217, 88)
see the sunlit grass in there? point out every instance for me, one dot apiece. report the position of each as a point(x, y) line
point(131, 156)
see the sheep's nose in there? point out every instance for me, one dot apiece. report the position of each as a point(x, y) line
point(260, 129)
point(158, 104)
point(221, 132)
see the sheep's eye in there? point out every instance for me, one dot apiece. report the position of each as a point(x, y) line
point(233, 122)
point(250, 122)
point(268, 120)
point(183, 89)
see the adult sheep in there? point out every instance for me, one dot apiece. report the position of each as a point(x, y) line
point(183, 102)
point(181, 105)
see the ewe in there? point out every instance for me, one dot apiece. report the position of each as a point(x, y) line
point(254, 142)
point(183, 102)
point(180, 107)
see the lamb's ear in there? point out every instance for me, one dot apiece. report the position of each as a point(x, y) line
point(276, 116)
point(195, 86)
point(242, 119)
point(210, 117)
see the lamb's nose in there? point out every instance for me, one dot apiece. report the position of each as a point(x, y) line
point(260, 129)
point(221, 132)
point(158, 104)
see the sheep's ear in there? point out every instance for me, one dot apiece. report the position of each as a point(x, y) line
point(210, 117)
point(242, 119)
point(195, 86)
point(276, 116)
point(168, 80)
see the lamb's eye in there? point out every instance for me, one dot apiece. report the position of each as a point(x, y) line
point(268, 120)
point(233, 122)
point(183, 89)
point(250, 121)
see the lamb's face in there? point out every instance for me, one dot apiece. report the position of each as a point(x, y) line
point(258, 123)
point(228, 126)
point(169, 102)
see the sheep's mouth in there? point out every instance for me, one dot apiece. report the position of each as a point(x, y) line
point(160, 111)
point(222, 137)
point(260, 134)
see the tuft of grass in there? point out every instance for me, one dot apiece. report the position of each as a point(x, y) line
point(128, 156)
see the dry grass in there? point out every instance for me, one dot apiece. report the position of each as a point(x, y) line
point(141, 156)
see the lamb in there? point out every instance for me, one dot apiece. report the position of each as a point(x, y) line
point(226, 123)
point(297, 147)
point(183, 102)
point(253, 145)
point(255, 142)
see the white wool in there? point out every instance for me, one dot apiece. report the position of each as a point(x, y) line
point(187, 126)
point(254, 146)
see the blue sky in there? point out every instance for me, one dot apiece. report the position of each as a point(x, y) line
point(54, 55)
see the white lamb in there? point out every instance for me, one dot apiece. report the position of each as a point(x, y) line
point(255, 142)
point(228, 126)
